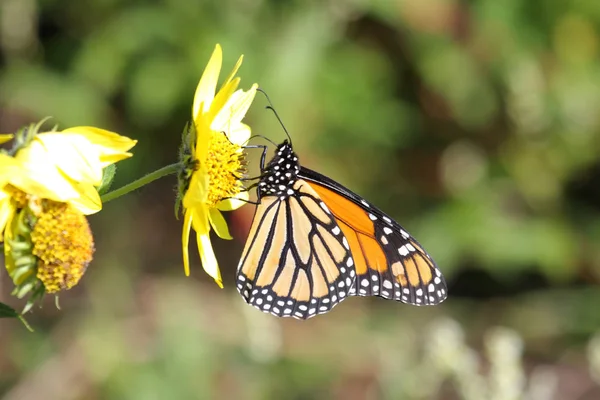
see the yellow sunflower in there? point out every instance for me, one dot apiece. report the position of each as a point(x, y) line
point(48, 183)
point(213, 154)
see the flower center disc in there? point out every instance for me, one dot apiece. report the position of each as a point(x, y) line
point(224, 167)
point(63, 242)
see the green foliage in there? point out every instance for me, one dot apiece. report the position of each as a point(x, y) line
point(108, 175)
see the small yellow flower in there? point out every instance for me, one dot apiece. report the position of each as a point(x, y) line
point(214, 156)
point(47, 185)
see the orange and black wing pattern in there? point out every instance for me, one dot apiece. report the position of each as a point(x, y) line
point(296, 261)
point(389, 262)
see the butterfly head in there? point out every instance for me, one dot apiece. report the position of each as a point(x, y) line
point(281, 172)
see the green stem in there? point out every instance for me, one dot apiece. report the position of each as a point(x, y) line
point(143, 181)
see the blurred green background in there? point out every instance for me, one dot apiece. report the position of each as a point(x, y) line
point(474, 123)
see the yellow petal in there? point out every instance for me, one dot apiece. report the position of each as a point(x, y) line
point(205, 91)
point(218, 223)
point(88, 201)
point(74, 155)
point(6, 211)
point(235, 110)
point(111, 146)
point(185, 239)
point(40, 177)
point(197, 192)
point(201, 226)
point(233, 71)
point(9, 167)
point(108, 141)
point(5, 137)
point(203, 135)
point(239, 134)
point(107, 160)
point(9, 262)
point(200, 220)
point(209, 261)
point(222, 97)
point(234, 203)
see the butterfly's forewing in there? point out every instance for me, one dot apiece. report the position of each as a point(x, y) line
point(389, 262)
point(296, 262)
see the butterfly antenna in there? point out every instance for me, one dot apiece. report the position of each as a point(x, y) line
point(263, 137)
point(270, 107)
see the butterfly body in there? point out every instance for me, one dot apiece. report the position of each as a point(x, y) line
point(314, 242)
point(280, 174)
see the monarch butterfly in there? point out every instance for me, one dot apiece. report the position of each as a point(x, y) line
point(314, 242)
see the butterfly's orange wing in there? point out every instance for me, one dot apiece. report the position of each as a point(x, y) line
point(389, 262)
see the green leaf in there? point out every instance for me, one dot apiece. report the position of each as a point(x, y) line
point(108, 175)
point(7, 312)
point(24, 322)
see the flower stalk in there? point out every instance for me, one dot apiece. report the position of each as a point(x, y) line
point(143, 181)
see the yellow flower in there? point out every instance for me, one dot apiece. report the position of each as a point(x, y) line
point(47, 185)
point(214, 155)
point(67, 166)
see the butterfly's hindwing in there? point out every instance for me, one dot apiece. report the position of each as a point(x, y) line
point(412, 275)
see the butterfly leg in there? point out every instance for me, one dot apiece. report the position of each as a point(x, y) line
point(262, 160)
